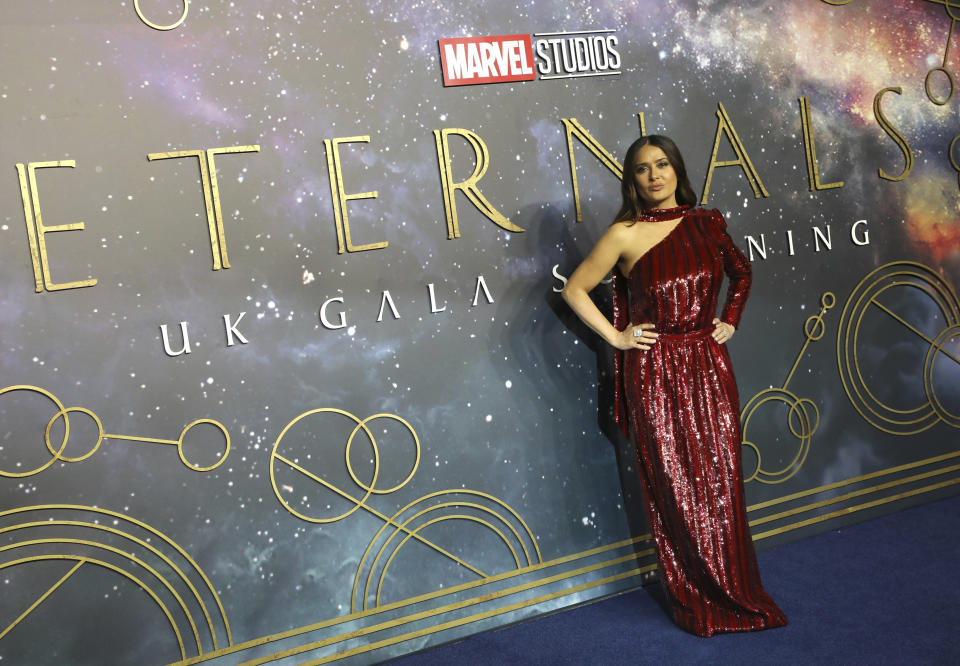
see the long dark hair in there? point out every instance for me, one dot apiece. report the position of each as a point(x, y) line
point(632, 201)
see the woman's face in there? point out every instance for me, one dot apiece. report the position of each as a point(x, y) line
point(655, 178)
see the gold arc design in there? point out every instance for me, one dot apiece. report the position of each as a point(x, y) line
point(370, 509)
point(814, 329)
point(139, 542)
point(480, 616)
point(393, 521)
point(155, 26)
point(386, 566)
point(506, 609)
point(564, 559)
point(63, 412)
point(361, 423)
point(66, 432)
point(116, 569)
point(932, 352)
point(547, 597)
point(455, 605)
point(439, 593)
point(146, 527)
point(41, 598)
point(895, 274)
point(862, 308)
point(125, 555)
point(856, 339)
point(403, 527)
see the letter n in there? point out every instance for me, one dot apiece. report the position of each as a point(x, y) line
point(573, 128)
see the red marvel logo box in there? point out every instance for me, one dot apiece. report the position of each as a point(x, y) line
point(497, 59)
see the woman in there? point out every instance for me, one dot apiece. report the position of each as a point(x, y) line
point(676, 393)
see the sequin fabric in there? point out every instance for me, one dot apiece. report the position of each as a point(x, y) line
point(678, 402)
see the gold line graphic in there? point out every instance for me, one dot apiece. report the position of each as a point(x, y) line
point(160, 535)
point(802, 410)
point(64, 412)
point(129, 556)
point(909, 275)
point(111, 567)
point(476, 617)
point(547, 597)
point(139, 542)
point(852, 480)
point(41, 598)
point(381, 516)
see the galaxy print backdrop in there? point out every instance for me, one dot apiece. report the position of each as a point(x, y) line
point(285, 373)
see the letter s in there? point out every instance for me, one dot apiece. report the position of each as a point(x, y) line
point(562, 279)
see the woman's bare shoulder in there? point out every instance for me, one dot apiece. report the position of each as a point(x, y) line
point(620, 229)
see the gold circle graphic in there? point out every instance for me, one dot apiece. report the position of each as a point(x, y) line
point(926, 86)
point(275, 456)
point(953, 162)
point(933, 352)
point(892, 419)
point(63, 413)
point(197, 468)
point(803, 419)
point(499, 518)
point(57, 455)
point(416, 462)
point(155, 26)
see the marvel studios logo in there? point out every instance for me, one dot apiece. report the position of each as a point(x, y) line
point(468, 61)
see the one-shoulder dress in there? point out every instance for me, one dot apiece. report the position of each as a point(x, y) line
point(678, 403)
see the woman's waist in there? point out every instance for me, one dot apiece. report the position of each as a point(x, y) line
point(679, 330)
point(682, 335)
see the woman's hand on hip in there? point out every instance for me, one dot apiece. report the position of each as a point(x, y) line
point(636, 337)
point(722, 331)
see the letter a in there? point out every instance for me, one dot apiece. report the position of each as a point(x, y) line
point(481, 284)
point(725, 127)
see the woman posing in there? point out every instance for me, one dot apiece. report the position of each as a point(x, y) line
point(676, 392)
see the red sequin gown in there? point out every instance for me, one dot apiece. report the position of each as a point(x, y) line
point(679, 404)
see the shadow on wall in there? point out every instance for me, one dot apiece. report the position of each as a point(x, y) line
point(541, 316)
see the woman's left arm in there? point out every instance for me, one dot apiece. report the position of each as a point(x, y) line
point(737, 268)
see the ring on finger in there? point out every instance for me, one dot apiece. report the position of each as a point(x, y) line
point(637, 332)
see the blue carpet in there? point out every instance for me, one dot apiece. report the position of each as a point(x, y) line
point(884, 591)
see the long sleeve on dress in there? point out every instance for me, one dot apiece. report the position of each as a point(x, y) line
point(737, 268)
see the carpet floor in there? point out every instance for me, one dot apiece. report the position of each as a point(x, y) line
point(884, 591)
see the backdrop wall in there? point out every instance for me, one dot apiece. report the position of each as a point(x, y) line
point(285, 372)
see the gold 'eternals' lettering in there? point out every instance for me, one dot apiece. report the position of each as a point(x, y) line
point(725, 128)
point(894, 134)
point(211, 193)
point(810, 148)
point(573, 128)
point(340, 197)
point(468, 186)
point(37, 230)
